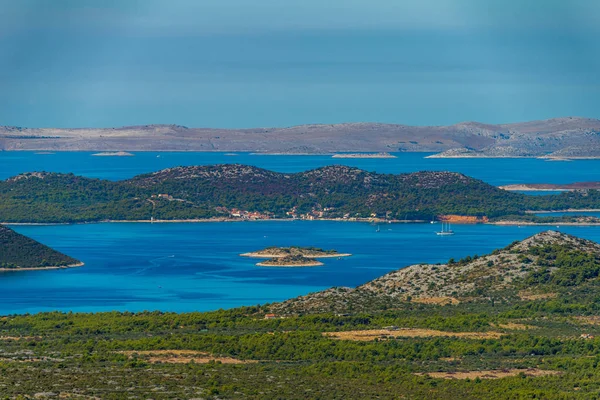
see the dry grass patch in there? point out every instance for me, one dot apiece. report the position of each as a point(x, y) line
point(372, 334)
point(490, 374)
point(64, 395)
point(537, 296)
point(589, 320)
point(183, 357)
point(513, 326)
point(19, 337)
point(440, 301)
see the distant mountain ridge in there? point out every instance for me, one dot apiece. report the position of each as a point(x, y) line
point(558, 137)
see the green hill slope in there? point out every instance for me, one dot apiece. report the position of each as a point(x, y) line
point(226, 190)
point(546, 265)
point(18, 251)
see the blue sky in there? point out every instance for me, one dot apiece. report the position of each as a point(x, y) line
point(236, 63)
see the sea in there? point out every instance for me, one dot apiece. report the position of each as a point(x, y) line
point(186, 267)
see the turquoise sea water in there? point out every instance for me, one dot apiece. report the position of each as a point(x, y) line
point(195, 266)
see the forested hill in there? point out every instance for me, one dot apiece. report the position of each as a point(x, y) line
point(240, 191)
point(18, 251)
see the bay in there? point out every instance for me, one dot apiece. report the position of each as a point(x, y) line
point(197, 267)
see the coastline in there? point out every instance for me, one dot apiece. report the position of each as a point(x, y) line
point(220, 219)
point(246, 151)
point(80, 264)
point(362, 220)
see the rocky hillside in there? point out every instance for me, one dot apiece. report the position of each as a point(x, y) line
point(572, 136)
point(541, 266)
point(18, 251)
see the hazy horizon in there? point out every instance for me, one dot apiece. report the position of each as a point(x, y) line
point(289, 126)
point(234, 64)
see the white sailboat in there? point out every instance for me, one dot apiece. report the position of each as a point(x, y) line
point(446, 231)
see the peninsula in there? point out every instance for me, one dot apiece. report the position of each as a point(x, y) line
point(19, 253)
point(567, 137)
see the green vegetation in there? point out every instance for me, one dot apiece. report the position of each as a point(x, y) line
point(290, 260)
point(213, 191)
point(311, 252)
point(290, 355)
point(18, 251)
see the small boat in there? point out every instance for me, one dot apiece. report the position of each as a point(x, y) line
point(445, 231)
point(378, 230)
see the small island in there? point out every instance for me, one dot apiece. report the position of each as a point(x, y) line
point(113, 154)
point(293, 256)
point(307, 252)
point(363, 155)
point(290, 261)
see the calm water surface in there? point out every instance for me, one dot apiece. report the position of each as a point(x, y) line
point(196, 266)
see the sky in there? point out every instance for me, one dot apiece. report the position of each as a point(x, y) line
point(259, 63)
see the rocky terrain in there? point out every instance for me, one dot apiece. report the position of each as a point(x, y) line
point(506, 275)
point(560, 137)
